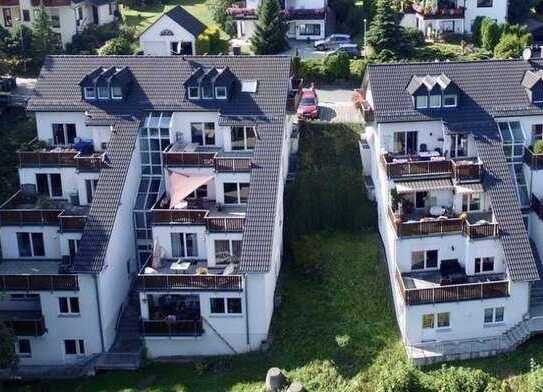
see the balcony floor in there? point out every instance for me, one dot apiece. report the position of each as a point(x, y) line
point(195, 264)
point(430, 279)
point(17, 315)
point(29, 267)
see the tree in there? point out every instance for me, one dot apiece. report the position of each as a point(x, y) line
point(116, 46)
point(519, 10)
point(8, 357)
point(271, 29)
point(490, 34)
point(218, 9)
point(509, 47)
point(44, 40)
point(385, 32)
point(337, 66)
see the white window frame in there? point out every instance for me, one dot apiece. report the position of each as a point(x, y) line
point(192, 96)
point(50, 185)
point(468, 197)
point(435, 321)
point(494, 313)
point(204, 96)
point(113, 96)
point(225, 305)
point(222, 88)
point(230, 247)
point(17, 348)
point(433, 96)
point(426, 99)
point(90, 96)
point(480, 261)
point(425, 252)
point(238, 193)
point(245, 127)
point(185, 256)
point(448, 96)
point(70, 311)
point(31, 241)
point(78, 352)
point(102, 89)
point(203, 125)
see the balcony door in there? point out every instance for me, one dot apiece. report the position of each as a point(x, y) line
point(405, 143)
point(459, 146)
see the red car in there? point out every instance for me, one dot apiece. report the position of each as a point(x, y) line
point(309, 105)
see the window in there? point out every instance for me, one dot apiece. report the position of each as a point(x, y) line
point(484, 264)
point(203, 133)
point(443, 320)
point(227, 251)
point(471, 202)
point(427, 321)
point(103, 93)
point(90, 93)
point(154, 138)
point(494, 315)
point(450, 100)
point(405, 143)
point(55, 18)
point(225, 305)
point(220, 92)
point(174, 47)
point(309, 29)
point(90, 188)
point(459, 145)
point(184, 244)
point(421, 101)
point(243, 138)
point(8, 20)
point(236, 192)
point(30, 244)
point(26, 16)
point(49, 185)
point(73, 247)
point(194, 93)
point(199, 193)
point(485, 3)
point(207, 92)
point(537, 132)
point(249, 86)
point(424, 259)
point(23, 347)
point(74, 347)
point(116, 92)
point(79, 13)
point(166, 33)
point(64, 134)
point(435, 101)
point(68, 305)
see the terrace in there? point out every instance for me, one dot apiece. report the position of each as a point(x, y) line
point(173, 315)
point(28, 208)
point(24, 323)
point(187, 274)
point(34, 275)
point(194, 155)
point(450, 284)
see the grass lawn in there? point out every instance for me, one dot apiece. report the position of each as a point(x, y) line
point(143, 18)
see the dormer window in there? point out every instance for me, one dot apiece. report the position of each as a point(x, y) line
point(90, 93)
point(207, 92)
point(103, 93)
point(220, 92)
point(194, 93)
point(421, 101)
point(435, 100)
point(450, 100)
point(116, 92)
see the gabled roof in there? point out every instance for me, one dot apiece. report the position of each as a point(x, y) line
point(532, 78)
point(184, 19)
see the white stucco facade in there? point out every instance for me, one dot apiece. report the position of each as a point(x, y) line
point(158, 38)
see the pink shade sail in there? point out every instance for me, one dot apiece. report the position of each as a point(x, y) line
point(182, 185)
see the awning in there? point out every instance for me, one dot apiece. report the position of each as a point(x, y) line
point(424, 185)
point(470, 188)
point(182, 185)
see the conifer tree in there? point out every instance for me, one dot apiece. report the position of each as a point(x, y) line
point(271, 29)
point(385, 32)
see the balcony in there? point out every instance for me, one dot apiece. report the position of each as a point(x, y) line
point(300, 13)
point(186, 274)
point(239, 10)
point(24, 323)
point(535, 161)
point(466, 170)
point(432, 287)
point(28, 208)
point(443, 10)
point(36, 157)
point(172, 328)
point(36, 275)
point(192, 155)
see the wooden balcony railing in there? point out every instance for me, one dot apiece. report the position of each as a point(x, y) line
point(535, 161)
point(172, 327)
point(39, 282)
point(413, 168)
point(72, 222)
point(439, 12)
point(54, 158)
point(184, 216)
point(466, 172)
point(20, 217)
point(188, 159)
point(479, 231)
point(235, 165)
point(226, 224)
point(90, 163)
point(424, 228)
point(189, 282)
point(30, 327)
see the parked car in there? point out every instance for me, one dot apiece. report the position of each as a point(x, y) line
point(309, 105)
point(351, 49)
point(333, 41)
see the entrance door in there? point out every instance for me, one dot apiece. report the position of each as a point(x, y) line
point(186, 48)
point(8, 20)
point(94, 14)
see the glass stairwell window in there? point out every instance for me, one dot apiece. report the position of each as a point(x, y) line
point(513, 140)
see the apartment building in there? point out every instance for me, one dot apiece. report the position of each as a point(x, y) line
point(67, 17)
point(306, 19)
point(150, 211)
point(447, 155)
point(451, 16)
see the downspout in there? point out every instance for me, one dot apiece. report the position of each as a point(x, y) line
point(246, 309)
point(95, 279)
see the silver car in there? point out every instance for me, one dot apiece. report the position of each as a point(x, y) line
point(351, 49)
point(332, 42)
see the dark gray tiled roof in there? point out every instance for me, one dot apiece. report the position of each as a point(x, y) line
point(487, 89)
point(96, 234)
point(158, 84)
point(186, 20)
point(499, 184)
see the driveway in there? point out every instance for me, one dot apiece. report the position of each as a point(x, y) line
point(336, 105)
point(304, 49)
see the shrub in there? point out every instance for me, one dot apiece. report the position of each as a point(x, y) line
point(459, 379)
point(414, 36)
point(511, 46)
point(535, 377)
point(538, 147)
point(92, 38)
point(210, 42)
point(116, 46)
point(337, 66)
point(8, 358)
point(490, 34)
point(313, 70)
point(476, 30)
point(398, 377)
point(357, 69)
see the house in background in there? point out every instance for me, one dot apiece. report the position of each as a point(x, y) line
point(173, 33)
point(67, 17)
point(306, 19)
point(451, 16)
point(459, 191)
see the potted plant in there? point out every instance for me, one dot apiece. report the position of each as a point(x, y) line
point(464, 216)
point(395, 199)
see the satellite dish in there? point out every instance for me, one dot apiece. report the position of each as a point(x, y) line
point(527, 54)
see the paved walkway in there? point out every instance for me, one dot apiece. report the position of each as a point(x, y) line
point(336, 105)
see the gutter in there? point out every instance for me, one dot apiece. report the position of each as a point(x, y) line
point(246, 310)
point(95, 279)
